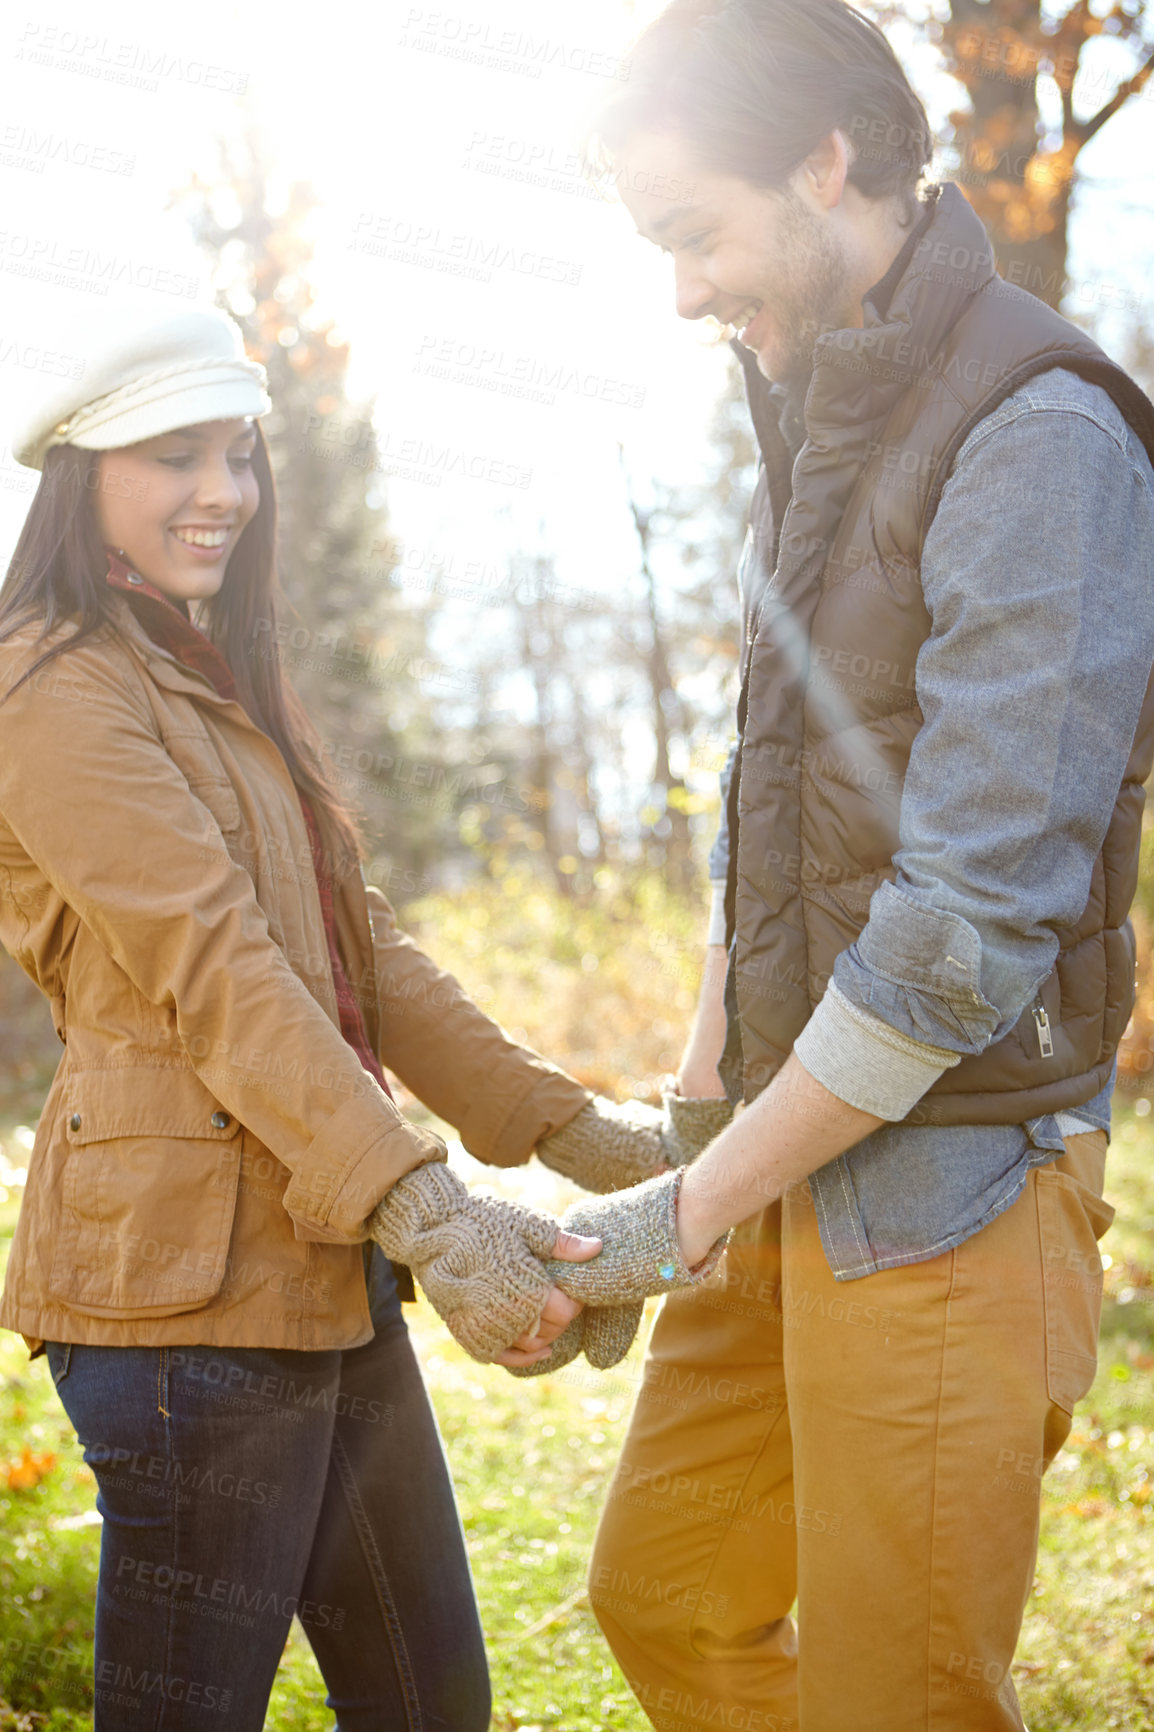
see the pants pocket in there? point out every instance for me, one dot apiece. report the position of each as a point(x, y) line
point(1071, 1220)
point(59, 1357)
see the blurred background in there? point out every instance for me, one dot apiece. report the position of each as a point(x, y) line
point(513, 490)
point(513, 483)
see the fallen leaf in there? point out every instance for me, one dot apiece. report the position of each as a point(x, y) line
point(31, 1467)
point(1087, 1507)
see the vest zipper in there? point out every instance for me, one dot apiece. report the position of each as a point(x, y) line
point(1045, 1037)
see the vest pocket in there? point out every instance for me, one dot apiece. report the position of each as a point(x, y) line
point(148, 1194)
point(1071, 1220)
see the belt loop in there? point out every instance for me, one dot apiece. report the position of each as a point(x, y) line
point(162, 1383)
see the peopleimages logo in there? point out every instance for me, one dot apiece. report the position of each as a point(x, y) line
point(408, 457)
point(28, 148)
point(111, 1677)
point(48, 258)
point(478, 42)
point(533, 378)
point(458, 253)
point(127, 1465)
point(139, 65)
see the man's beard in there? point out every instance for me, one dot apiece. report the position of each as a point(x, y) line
point(811, 294)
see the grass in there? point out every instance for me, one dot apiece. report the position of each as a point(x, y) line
point(531, 1459)
point(1086, 1654)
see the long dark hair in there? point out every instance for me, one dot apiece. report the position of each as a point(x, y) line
point(58, 573)
point(753, 86)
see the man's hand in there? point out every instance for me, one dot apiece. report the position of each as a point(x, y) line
point(641, 1253)
point(559, 1310)
point(792, 1128)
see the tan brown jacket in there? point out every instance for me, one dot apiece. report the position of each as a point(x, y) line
point(211, 1148)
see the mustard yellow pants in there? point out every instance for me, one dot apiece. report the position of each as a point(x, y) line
point(873, 1448)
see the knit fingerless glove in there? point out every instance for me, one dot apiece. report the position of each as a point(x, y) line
point(479, 1259)
point(690, 1126)
point(640, 1253)
point(604, 1334)
point(609, 1147)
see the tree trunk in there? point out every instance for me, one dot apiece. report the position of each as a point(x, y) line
point(678, 841)
point(1022, 190)
point(992, 50)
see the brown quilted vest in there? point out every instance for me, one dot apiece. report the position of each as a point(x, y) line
point(828, 712)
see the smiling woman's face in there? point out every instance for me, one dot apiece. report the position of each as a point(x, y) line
point(177, 504)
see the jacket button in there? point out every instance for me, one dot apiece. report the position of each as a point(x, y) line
point(220, 1121)
point(74, 1122)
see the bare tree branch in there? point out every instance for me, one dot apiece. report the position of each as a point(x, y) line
point(1124, 92)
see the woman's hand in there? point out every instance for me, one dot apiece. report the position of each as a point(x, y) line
point(484, 1263)
point(559, 1309)
point(610, 1146)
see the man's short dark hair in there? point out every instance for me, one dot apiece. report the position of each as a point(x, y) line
point(753, 86)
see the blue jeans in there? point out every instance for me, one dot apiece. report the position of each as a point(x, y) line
point(241, 1485)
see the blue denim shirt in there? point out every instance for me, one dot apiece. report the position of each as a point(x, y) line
point(1038, 573)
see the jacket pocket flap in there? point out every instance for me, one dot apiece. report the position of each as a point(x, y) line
point(139, 1101)
point(148, 1194)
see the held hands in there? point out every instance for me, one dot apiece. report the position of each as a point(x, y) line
point(641, 1254)
point(481, 1262)
point(562, 1327)
point(512, 1285)
point(608, 1147)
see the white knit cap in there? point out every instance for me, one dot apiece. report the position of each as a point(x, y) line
point(143, 377)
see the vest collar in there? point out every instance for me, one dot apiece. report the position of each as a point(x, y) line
point(882, 293)
point(859, 374)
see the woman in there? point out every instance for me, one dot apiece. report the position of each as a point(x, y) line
point(219, 1147)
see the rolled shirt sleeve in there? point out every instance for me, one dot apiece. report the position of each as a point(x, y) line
point(864, 1061)
point(1038, 573)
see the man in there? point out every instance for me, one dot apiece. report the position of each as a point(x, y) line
point(933, 822)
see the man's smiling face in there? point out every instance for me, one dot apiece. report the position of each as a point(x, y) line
point(772, 264)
